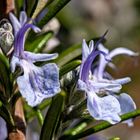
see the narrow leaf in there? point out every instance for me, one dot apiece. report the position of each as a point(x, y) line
point(69, 54)
point(30, 6)
point(19, 6)
point(38, 42)
point(52, 117)
point(70, 66)
point(5, 78)
point(99, 127)
point(54, 8)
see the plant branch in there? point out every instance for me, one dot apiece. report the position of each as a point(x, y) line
point(18, 133)
point(100, 126)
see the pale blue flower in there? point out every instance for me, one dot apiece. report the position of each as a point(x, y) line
point(102, 102)
point(35, 83)
point(126, 102)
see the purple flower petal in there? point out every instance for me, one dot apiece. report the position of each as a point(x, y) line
point(122, 80)
point(127, 105)
point(85, 53)
point(20, 39)
point(97, 81)
point(3, 129)
point(119, 51)
point(91, 46)
point(82, 85)
point(126, 102)
point(38, 83)
point(87, 65)
point(39, 57)
point(104, 86)
point(23, 18)
point(113, 53)
point(85, 50)
point(106, 108)
point(15, 23)
point(102, 61)
point(15, 61)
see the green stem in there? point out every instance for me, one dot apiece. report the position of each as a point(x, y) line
point(100, 126)
point(39, 116)
point(31, 112)
point(115, 138)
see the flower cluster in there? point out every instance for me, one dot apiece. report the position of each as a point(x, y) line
point(35, 83)
point(102, 101)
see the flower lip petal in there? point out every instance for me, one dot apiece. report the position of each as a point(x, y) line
point(126, 102)
point(38, 83)
point(127, 105)
point(106, 108)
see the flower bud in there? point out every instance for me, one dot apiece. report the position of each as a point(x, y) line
point(6, 36)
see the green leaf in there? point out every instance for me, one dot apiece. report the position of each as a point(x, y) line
point(2, 98)
point(52, 117)
point(54, 6)
point(38, 42)
point(68, 67)
point(76, 129)
point(5, 77)
point(6, 115)
point(99, 127)
point(14, 99)
point(115, 138)
point(53, 9)
point(31, 6)
point(42, 4)
point(30, 112)
point(69, 54)
point(18, 6)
